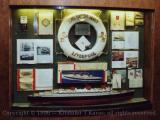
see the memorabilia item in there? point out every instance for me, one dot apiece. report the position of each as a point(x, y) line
point(82, 54)
point(62, 67)
point(130, 18)
point(90, 66)
point(44, 79)
point(125, 40)
point(25, 79)
point(45, 23)
point(139, 22)
point(122, 73)
point(35, 23)
point(123, 59)
point(117, 20)
point(82, 43)
point(44, 50)
point(139, 15)
point(23, 23)
point(118, 40)
point(82, 29)
point(80, 76)
point(135, 77)
point(79, 66)
point(116, 81)
point(26, 51)
point(31, 51)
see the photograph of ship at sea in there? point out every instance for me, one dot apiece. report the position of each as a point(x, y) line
point(81, 76)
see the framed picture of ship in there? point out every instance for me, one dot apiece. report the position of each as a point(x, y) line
point(83, 76)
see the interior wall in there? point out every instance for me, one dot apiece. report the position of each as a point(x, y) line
point(4, 55)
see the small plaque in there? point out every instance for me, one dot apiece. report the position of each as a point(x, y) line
point(82, 29)
point(23, 20)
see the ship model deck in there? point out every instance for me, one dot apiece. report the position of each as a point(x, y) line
point(81, 98)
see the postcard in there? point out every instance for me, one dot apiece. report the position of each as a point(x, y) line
point(130, 18)
point(44, 50)
point(45, 23)
point(123, 59)
point(135, 77)
point(125, 40)
point(118, 40)
point(117, 20)
point(26, 53)
point(44, 79)
point(25, 79)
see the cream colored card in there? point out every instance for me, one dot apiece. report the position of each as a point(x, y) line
point(45, 23)
point(117, 20)
point(130, 16)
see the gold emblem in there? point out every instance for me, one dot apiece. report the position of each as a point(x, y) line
point(103, 36)
point(45, 22)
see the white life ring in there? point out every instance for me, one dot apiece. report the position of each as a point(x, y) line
point(65, 44)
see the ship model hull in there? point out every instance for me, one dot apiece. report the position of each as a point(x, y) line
point(81, 99)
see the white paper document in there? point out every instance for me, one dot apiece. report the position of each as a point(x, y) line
point(44, 79)
point(82, 43)
point(125, 40)
point(44, 51)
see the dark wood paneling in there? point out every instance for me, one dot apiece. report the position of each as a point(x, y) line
point(156, 82)
point(94, 3)
point(4, 55)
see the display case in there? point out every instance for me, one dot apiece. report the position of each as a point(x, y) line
point(65, 57)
